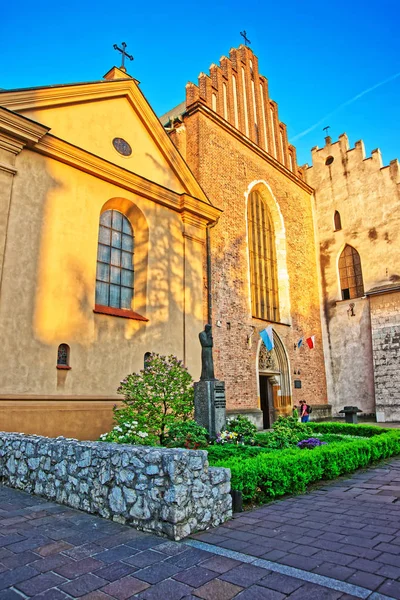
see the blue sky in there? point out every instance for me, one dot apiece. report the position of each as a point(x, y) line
point(316, 55)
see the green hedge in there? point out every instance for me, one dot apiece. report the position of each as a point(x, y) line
point(268, 475)
point(347, 429)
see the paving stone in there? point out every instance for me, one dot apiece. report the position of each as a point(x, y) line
point(281, 583)
point(114, 554)
point(10, 578)
point(361, 564)
point(18, 560)
point(191, 557)
point(146, 558)
point(171, 548)
point(50, 563)
point(79, 552)
point(74, 569)
point(124, 588)
point(10, 595)
point(53, 548)
point(158, 572)
point(336, 571)
point(367, 580)
point(217, 590)
point(115, 571)
point(244, 575)
point(144, 542)
point(195, 576)
point(309, 591)
point(40, 583)
point(306, 563)
point(389, 571)
point(167, 590)
point(274, 555)
point(10, 539)
point(391, 589)
point(96, 595)
point(83, 585)
point(391, 548)
point(256, 592)
point(220, 564)
point(360, 552)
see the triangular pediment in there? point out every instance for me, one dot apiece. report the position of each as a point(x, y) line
point(92, 116)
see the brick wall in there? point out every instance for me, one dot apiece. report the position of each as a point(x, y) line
point(226, 167)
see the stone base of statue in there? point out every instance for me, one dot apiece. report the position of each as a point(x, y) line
point(210, 405)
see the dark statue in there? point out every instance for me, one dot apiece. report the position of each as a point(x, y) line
point(207, 364)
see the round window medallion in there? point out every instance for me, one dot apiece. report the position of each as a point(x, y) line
point(329, 160)
point(122, 146)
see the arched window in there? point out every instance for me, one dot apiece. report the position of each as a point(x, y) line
point(63, 357)
point(263, 270)
point(337, 221)
point(351, 281)
point(114, 278)
point(146, 359)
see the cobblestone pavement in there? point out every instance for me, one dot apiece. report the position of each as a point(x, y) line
point(341, 541)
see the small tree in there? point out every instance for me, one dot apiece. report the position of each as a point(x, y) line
point(159, 396)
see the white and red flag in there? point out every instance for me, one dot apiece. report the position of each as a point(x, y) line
point(311, 342)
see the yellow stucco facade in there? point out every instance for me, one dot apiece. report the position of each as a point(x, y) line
point(59, 171)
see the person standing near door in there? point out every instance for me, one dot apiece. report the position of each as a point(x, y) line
point(304, 411)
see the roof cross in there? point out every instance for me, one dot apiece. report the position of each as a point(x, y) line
point(244, 36)
point(122, 67)
point(327, 128)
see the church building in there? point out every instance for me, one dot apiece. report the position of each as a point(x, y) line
point(263, 258)
point(122, 233)
point(102, 236)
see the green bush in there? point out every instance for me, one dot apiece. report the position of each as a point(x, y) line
point(346, 428)
point(268, 475)
point(287, 431)
point(188, 434)
point(245, 429)
point(155, 399)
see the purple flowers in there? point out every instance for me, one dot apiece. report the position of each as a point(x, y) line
point(310, 443)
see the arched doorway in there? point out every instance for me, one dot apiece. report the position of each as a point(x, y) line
point(274, 382)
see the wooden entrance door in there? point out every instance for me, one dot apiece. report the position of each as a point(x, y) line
point(267, 401)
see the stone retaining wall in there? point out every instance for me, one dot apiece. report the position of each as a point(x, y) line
point(162, 490)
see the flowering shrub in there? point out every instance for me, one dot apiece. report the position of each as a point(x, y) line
point(245, 429)
point(310, 443)
point(128, 432)
point(156, 398)
point(188, 434)
point(227, 437)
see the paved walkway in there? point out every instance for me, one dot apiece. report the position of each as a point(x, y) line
point(341, 541)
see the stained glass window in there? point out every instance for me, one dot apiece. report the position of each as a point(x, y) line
point(63, 355)
point(351, 280)
point(263, 266)
point(115, 274)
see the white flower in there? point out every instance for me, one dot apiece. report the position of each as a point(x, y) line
point(142, 434)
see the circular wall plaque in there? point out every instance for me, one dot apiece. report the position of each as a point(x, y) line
point(122, 146)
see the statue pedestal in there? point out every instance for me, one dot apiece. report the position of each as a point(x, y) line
point(210, 405)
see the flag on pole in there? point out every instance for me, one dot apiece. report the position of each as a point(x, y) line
point(267, 337)
point(300, 342)
point(311, 342)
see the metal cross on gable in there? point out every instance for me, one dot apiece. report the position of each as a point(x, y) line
point(244, 36)
point(122, 50)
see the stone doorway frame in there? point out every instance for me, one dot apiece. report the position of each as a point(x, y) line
point(278, 371)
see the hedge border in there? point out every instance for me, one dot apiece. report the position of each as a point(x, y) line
point(268, 476)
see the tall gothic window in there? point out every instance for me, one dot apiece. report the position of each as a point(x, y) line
point(351, 280)
point(263, 268)
point(114, 278)
point(337, 221)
